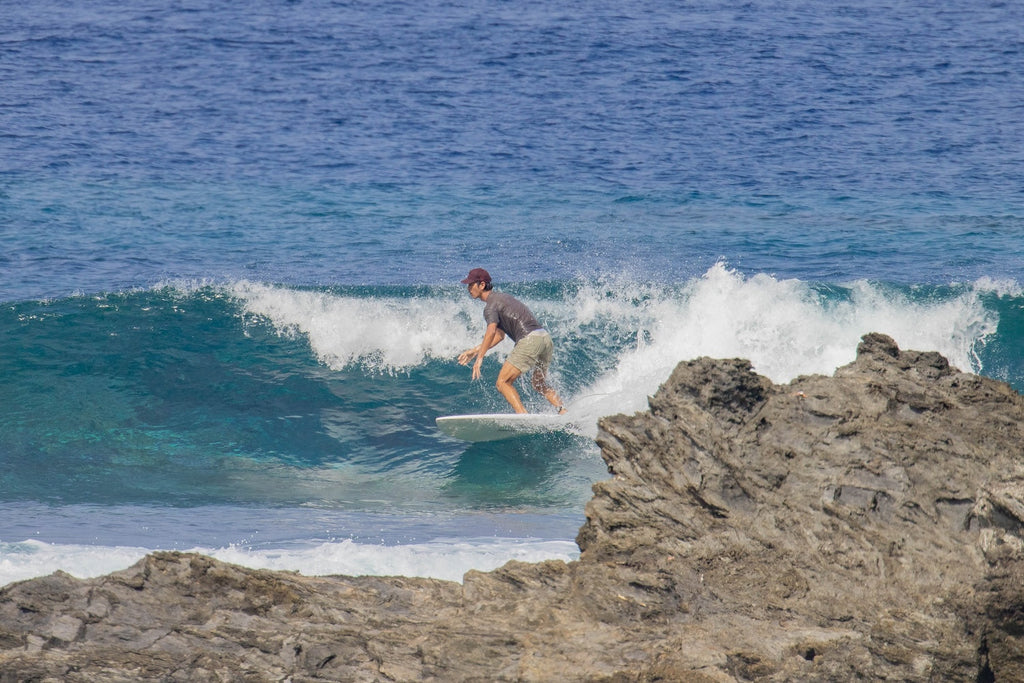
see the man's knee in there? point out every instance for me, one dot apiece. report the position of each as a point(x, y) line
point(507, 376)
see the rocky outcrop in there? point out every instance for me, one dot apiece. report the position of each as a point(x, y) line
point(862, 526)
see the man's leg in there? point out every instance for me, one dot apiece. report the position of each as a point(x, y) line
point(509, 374)
point(540, 383)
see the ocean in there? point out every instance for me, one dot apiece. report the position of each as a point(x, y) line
point(232, 235)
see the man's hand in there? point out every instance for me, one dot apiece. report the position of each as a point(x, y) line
point(468, 355)
point(491, 337)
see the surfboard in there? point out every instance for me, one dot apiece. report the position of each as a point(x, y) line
point(497, 426)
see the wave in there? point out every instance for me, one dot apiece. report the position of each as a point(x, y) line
point(618, 337)
point(199, 393)
point(618, 340)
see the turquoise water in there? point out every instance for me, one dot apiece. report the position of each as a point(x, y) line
point(231, 239)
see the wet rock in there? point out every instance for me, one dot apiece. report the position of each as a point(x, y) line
point(866, 525)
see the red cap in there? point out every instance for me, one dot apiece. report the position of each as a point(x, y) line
point(477, 275)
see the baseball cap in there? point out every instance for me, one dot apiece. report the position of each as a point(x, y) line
point(477, 275)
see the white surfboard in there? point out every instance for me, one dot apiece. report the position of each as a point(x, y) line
point(497, 426)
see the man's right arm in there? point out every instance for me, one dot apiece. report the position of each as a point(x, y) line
point(492, 337)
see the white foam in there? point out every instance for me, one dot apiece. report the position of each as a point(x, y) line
point(784, 327)
point(29, 559)
point(385, 333)
point(438, 559)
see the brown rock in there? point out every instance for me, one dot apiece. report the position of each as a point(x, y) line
point(866, 525)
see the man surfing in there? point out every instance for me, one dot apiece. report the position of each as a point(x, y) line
point(506, 315)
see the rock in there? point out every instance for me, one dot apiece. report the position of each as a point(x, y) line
point(866, 525)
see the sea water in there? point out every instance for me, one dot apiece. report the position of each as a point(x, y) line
point(231, 239)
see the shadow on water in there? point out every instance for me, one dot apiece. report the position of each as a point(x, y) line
point(537, 469)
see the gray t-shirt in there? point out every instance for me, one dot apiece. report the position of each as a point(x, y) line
point(512, 316)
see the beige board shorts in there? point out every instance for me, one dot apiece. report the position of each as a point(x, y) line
point(533, 351)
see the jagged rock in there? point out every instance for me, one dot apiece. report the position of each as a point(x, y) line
point(866, 525)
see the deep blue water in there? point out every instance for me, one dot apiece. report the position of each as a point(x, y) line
point(231, 237)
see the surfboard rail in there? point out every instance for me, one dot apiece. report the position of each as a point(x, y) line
point(498, 426)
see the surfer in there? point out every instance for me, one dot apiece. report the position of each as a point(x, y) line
point(506, 315)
